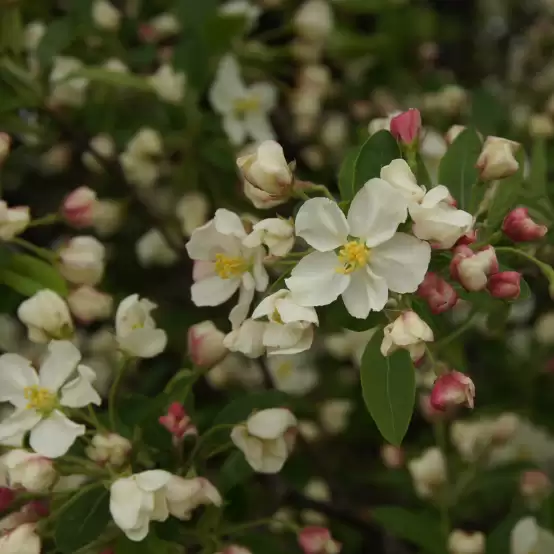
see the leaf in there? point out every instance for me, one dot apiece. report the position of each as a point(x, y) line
point(420, 529)
point(336, 316)
point(457, 169)
point(346, 173)
point(60, 33)
point(83, 519)
point(112, 78)
point(234, 471)
point(377, 151)
point(150, 545)
point(388, 388)
point(488, 114)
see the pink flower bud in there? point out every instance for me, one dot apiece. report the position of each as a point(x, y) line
point(469, 238)
point(35, 510)
point(178, 422)
point(472, 269)
point(318, 540)
point(428, 412)
point(205, 344)
point(439, 294)
point(78, 207)
point(7, 496)
point(534, 485)
point(392, 456)
point(506, 285)
point(406, 126)
point(452, 389)
point(520, 227)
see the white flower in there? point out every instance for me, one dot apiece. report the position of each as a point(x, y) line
point(22, 540)
point(244, 109)
point(290, 326)
point(66, 90)
point(107, 217)
point(497, 159)
point(137, 500)
point(40, 397)
point(88, 304)
point(428, 471)
point(46, 316)
point(247, 339)
point(139, 171)
point(268, 179)
point(105, 15)
point(528, 538)
point(136, 331)
point(185, 495)
point(32, 35)
point(103, 145)
point(275, 233)
point(109, 449)
point(82, 260)
point(242, 8)
point(164, 25)
point(293, 374)
point(316, 489)
point(435, 218)
point(407, 331)
point(265, 439)
point(152, 249)
point(115, 65)
point(460, 542)
point(231, 265)
point(360, 258)
point(192, 211)
point(13, 221)
point(334, 415)
point(145, 143)
point(33, 472)
point(168, 84)
point(205, 344)
point(314, 20)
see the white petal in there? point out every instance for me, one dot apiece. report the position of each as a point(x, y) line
point(228, 85)
point(240, 312)
point(321, 223)
point(261, 278)
point(376, 211)
point(279, 335)
point(235, 129)
point(250, 446)
point(275, 454)
point(290, 311)
point(315, 281)
point(206, 242)
point(140, 532)
point(52, 437)
point(401, 177)
point(213, 291)
point(125, 502)
point(303, 343)
point(524, 537)
point(153, 479)
point(160, 511)
point(59, 364)
point(16, 373)
point(79, 392)
point(366, 292)
point(434, 196)
point(18, 422)
point(268, 304)
point(266, 93)
point(229, 223)
point(144, 343)
point(402, 261)
point(271, 423)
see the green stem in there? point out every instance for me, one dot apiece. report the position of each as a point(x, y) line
point(113, 394)
point(546, 270)
point(323, 189)
point(236, 529)
point(40, 252)
point(46, 220)
point(457, 332)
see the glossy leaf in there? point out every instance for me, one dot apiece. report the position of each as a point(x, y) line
point(388, 388)
point(346, 173)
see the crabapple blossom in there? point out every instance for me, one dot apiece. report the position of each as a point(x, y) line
point(266, 439)
point(392, 456)
point(247, 339)
point(408, 331)
point(101, 147)
point(82, 260)
point(178, 422)
point(21, 540)
point(88, 304)
point(497, 159)
point(472, 269)
point(111, 449)
point(40, 397)
point(428, 472)
point(334, 415)
point(168, 84)
point(535, 486)
point(152, 249)
point(292, 373)
point(318, 540)
point(528, 537)
point(452, 389)
point(192, 211)
point(105, 16)
point(275, 233)
point(406, 126)
point(205, 344)
point(232, 267)
point(314, 20)
point(78, 207)
point(439, 293)
point(505, 285)
point(518, 226)
point(13, 221)
point(66, 90)
point(185, 495)
point(357, 257)
point(33, 472)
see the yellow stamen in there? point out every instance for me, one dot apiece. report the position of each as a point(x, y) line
point(228, 266)
point(353, 255)
point(249, 104)
point(276, 316)
point(40, 399)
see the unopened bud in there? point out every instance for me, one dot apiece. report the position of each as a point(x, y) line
point(452, 389)
point(392, 456)
point(520, 227)
point(178, 422)
point(78, 207)
point(497, 159)
point(439, 294)
point(505, 285)
point(405, 127)
point(472, 269)
point(205, 344)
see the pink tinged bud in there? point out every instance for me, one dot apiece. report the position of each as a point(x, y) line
point(505, 285)
point(318, 540)
point(471, 269)
point(439, 294)
point(428, 412)
point(205, 344)
point(177, 422)
point(392, 456)
point(78, 207)
point(534, 485)
point(520, 227)
point(36, 510)
point(469, 238)
point(452, 389)
point(7, 496)
point(405, 127)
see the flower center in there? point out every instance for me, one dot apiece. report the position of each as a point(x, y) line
point(353, 255)
point(245, 105)
point(284, 371)
point(40, 399)
point(276, 316)
point(228, 267)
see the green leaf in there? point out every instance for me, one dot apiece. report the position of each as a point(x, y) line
point(422, 175)
point(346, 173)
point(488, 114)
point(234, 471)
point(388, 388)
point(28, 275)
point(194, 13)
point(457, 169)
point(150, 545)
point(337, 317)
point(421, 529)
point(506, 195)
point(377, 151)
point(83, 519)
point(60, 33)
point(112, 78)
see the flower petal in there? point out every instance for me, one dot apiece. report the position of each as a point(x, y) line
point(235, 129)
point(275, 454)
point(227, 86)
point(214, 290)
point(376, 212)
point(290, 311)
point(53, 437)
point(18, 422)
point(153, 479)
point(125, 502)
point(402, 261)
point(229, 223)
point(16, 373)
point(261, 278)
point(79, 392)
point(304, 342)
point(434, 196)
point(525, 536)
point(271, 423)
point(321, 223)
point(315, 281)
point(278, 335)
point(60, 362)
point(366, 292)
point(239, 313)
point(144, 343)
point(266, 93)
